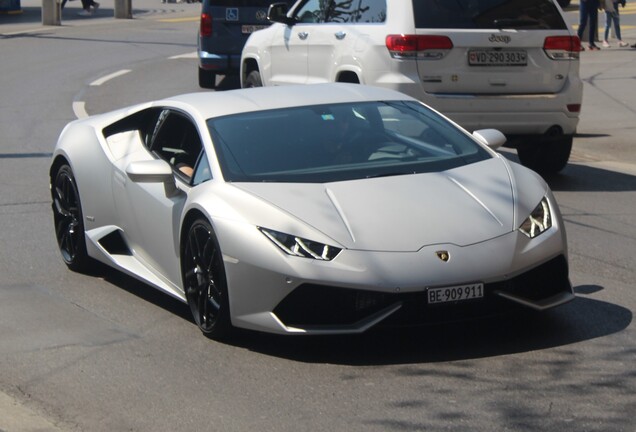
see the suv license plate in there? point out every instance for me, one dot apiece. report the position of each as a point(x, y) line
point(247, 29)
point(497, 58)
point(455, 293)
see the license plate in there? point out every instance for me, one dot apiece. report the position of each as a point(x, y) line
point(497, 58)
point(455, 293)
point(247, 29)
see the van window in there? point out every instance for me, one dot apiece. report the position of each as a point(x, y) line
point(241, 3)
point(488, 14)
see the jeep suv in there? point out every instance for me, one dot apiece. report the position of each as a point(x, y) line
point(224, 27)
point(506, 64)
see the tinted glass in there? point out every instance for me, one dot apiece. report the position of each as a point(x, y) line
point(176, 140)
point(487, 14)
point(312, 11)
point(327, 143)
point(357, 11)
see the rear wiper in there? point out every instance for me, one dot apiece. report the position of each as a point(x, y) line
point(514, 22)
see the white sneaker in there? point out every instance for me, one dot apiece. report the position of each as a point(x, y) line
point(606, 44)
point(85, 12)
point(623, 44)
point(95, 5)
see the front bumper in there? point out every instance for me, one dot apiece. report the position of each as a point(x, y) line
point(273, 292)
point(316, 307)
point(219, 63)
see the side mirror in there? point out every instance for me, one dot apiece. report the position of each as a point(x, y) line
point(277, 12)
point(490, 137)
point(152, 171)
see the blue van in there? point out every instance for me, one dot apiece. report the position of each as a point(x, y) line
point(225, 26)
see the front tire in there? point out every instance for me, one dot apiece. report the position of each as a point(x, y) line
point(68, 220)
point(204, 280)
point(253, 79)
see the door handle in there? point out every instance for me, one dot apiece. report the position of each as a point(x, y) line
point(303, 35)
point(340, 35)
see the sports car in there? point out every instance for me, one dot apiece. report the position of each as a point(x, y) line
point(319, 209)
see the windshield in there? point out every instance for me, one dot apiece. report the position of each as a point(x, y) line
point(326, 143)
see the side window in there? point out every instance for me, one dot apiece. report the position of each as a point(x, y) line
point(312, 11)
point(356, 11)
point(176, 140)
point(371, 11)
point(202, 172)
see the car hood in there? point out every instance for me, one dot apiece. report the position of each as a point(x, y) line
point(462, 206)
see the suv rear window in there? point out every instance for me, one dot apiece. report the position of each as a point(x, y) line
point(488, 14)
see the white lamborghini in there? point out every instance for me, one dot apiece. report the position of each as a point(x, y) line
point(318, 209)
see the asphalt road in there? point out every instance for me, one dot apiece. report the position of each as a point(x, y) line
point(106, 353)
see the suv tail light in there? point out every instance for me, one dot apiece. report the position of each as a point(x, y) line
point(205, 28)
point(562, 47)
point(420, 47)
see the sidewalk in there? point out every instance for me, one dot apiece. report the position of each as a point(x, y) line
point(15, 417)
point(30, 19)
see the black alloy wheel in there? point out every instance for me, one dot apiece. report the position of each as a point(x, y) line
point(204, 280)
point(67, 217)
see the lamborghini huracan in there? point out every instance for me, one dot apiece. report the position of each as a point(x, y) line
point(319, 209)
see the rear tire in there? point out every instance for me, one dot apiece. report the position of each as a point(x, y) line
point(207, 79)
point(548, 156)
point(253, 79)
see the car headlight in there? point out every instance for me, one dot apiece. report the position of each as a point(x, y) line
point(300, 247)
point(540, 220)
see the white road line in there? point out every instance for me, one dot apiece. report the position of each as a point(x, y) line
point(184, 56)
point(103, 79)
point(79, 108)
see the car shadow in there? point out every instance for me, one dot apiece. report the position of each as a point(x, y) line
point(228, 82)
point(582, 319)
point(577, 177)
point(582, 178)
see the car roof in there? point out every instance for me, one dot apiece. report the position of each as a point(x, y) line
point(215, 104)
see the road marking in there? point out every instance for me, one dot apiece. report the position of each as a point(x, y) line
point(102, 80)
point(79, 108)
point(172, 20)
point(184, 56)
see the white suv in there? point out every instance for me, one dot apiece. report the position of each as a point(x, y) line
point(506, 64)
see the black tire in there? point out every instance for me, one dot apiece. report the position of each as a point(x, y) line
point(204, 280)
point(68, 220)
point(547, 157)
point(207, 79)
point(253, 80)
